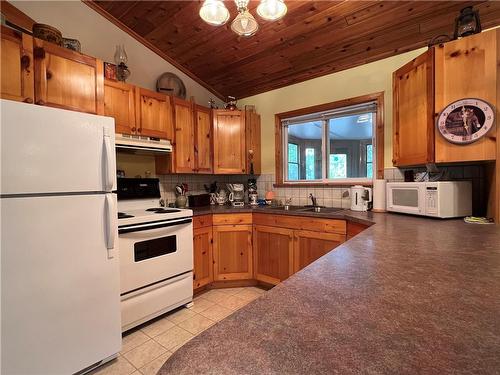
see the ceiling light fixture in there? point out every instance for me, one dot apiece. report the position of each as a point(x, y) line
point(215, 13)
point(271, 10)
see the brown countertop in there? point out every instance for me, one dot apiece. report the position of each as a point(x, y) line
point(408, 295)
point(361, 217)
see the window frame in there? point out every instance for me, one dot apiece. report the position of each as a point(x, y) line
point(281, 142)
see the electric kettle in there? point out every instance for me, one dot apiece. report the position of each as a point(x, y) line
point(361, 198)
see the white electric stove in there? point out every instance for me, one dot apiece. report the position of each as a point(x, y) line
point(156, 253)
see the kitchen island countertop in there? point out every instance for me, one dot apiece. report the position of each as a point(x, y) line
point(408, 295)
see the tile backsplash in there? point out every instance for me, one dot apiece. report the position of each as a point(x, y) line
point(326, 196)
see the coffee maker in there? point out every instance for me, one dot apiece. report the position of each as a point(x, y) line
point(236, 194)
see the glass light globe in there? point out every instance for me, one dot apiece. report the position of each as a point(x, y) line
point(271, 10)
point(244, 24)
point(214, 12)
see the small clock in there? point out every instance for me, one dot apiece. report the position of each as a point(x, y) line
point(466, 120)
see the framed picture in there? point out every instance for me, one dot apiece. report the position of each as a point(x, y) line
point(110, 71)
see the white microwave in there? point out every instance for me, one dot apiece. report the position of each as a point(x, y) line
point(442, 199)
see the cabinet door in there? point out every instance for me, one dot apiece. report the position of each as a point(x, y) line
point(203, 144)
point(17, 81)
point(154, 114)
point(466, 68)
point(232, 252)
point(119, 103)
point(184, 137)
point(272, 253)
point(67, 79)
point(229, 142)
point(310, 246)
point(203, 257)
point(252, 124)
point(413, 112)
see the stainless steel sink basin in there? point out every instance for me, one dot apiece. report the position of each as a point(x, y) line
point(320, 209)
point(287, 208)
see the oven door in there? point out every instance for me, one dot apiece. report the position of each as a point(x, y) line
point(406, 198)
point(154, 252)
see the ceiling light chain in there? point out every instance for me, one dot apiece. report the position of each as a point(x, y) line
point(215, 13)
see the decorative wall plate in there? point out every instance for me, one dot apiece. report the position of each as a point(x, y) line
point(169, 83)
point(466, 120)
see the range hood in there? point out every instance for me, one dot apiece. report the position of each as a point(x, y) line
point(141, 144)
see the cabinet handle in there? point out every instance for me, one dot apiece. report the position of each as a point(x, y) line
point(28, 100)
point(25, 62)
point(139, 130)
point(133, 129)
point(40, 102)
point(48, 74)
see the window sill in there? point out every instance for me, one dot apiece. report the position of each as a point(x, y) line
point(321, 184)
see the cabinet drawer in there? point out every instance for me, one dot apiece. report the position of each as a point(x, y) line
point(202, 221)
point(224, 219)
point(302, 223)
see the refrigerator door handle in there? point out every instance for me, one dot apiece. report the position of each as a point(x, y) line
point(109, 155)
point(111, 225)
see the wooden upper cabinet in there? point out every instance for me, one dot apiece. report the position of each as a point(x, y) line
point(229, 142)
point(67, 79)
point(466, 68)
point(203, 139)
point(17, 81)
point(202, 257)
point(253, 151)
point(232, 252)
point(119, 103)
point(413, 112)
point(184, 136)
point(310, 246)
point(272, 254)
point(153, 114)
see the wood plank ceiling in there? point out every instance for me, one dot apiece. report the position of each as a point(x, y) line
point(315, 38)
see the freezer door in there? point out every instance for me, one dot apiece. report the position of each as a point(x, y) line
point(59, 282)
point(50, 150)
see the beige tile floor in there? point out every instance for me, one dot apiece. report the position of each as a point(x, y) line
point(146, 349)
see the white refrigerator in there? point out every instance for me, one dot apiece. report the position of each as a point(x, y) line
point(60, 301)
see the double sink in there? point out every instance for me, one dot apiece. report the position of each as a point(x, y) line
point(318, 209)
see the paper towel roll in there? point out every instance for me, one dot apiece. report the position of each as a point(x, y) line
point(379, 195)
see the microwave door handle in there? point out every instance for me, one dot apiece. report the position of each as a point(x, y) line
point(111, 218)
point(108, 157)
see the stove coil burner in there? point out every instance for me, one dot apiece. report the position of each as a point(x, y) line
point(161, 210)
point(122, 215)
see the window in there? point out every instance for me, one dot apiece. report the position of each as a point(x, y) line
point(335, 145)
point(293, 161)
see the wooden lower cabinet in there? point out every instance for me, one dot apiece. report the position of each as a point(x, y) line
point(232, 252)
point(272, 254)
point(202, 257)
point(310, 246)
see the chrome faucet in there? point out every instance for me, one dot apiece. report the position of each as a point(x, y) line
point(313, 200)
